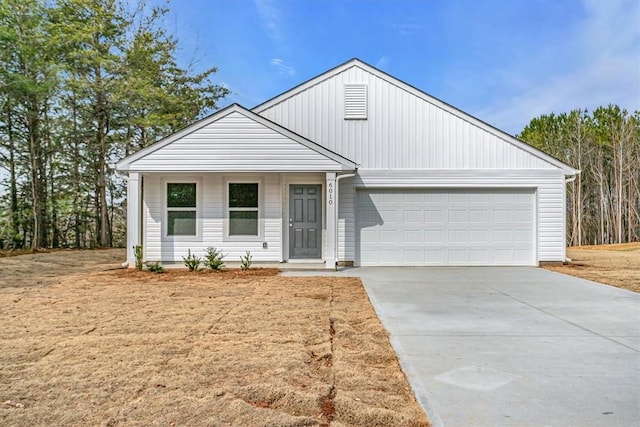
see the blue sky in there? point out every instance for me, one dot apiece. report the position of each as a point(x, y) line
point(504, 62)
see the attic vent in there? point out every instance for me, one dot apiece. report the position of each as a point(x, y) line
point(355, 101)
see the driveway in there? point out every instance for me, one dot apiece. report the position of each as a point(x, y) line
point(512, 346)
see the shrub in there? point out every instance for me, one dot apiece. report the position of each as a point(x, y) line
point(213, 259)
point(137, 253)
point(245, 261)
point(192, 262)
point(155, 267)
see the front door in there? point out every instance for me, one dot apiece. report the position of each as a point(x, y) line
point(305, 221)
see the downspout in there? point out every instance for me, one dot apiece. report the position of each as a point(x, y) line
point(567, 180)
point(338, 178)
point(124, 176)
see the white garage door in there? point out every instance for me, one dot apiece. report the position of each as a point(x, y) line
point(445, 227)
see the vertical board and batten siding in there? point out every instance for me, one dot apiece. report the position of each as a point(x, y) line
point(235, 142)
point(212, 217)
point(409, 141)
point(549, 187)
point(401, 131)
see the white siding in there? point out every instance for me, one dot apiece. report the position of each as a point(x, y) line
point(402, 130)
point(548, 184)
point(234, 143)
point(212, 220)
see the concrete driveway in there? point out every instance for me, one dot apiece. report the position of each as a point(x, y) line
point(511, 346)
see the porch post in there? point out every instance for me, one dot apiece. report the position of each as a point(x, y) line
point(331, 214)
point(133, 216)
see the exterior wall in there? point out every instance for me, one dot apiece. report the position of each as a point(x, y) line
point(274, 200)
point(212, 212)
point(402, 130)
point(549, 185)
point(235, 143)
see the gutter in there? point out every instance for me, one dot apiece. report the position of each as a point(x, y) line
point(335, 239)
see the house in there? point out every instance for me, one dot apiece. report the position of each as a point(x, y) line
point(352, 166)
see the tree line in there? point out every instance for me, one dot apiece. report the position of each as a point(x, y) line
point(603, 202)
point(82, 84)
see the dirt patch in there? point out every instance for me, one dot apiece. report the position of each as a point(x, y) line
point(615, 265)
point(119, 347)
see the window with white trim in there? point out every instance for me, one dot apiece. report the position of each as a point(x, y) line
point(181, 209)
point(243, 209)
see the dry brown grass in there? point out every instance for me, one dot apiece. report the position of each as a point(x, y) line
point(615, 265)
point(119, 347)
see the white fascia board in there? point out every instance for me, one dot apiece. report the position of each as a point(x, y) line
point(568, 170)
point(125, 164)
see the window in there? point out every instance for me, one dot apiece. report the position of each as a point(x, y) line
point(181, 209)
point(243, 209)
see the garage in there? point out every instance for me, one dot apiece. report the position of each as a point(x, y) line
point(417, 227)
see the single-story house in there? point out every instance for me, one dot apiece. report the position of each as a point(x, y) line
point(353, 166)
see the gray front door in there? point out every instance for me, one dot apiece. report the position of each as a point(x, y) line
point(305, 221)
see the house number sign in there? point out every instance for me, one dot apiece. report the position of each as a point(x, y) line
point(330, 193)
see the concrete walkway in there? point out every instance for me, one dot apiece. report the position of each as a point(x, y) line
point(512, 346)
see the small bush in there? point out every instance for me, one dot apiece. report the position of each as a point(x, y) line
point(213, 259)
point(155, 267)
point(245, 261)
point(192, 262)
point(137, 253)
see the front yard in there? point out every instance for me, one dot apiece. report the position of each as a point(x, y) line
point(84, 345)
point(616, 265)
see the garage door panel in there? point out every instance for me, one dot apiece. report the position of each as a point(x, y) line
point(433, 216)
point(458, 215)
point(478, 236)
point(445, 227)
point(522, 215)
point(478, 215)
point(389, 236)
point(433, 236)
point(477, 256)
point(413, 216)
point(413, 236)
point(458, 236)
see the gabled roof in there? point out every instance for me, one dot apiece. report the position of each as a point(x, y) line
point(568, 170)
point(235, 152)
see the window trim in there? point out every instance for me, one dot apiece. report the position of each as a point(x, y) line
point(165, 208)
point(260, 209)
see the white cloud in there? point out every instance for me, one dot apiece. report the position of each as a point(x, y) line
point(606, 45)
point(282, 67)
point(271, 18)
point(406, 29)
point(383, 62)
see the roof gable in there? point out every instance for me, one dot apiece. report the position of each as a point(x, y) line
point(466, 132)
point(235, 140)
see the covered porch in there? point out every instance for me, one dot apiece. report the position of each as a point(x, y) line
point(239, 183)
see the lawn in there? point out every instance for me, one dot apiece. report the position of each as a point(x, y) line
point(84, 343)
point(615, 265)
